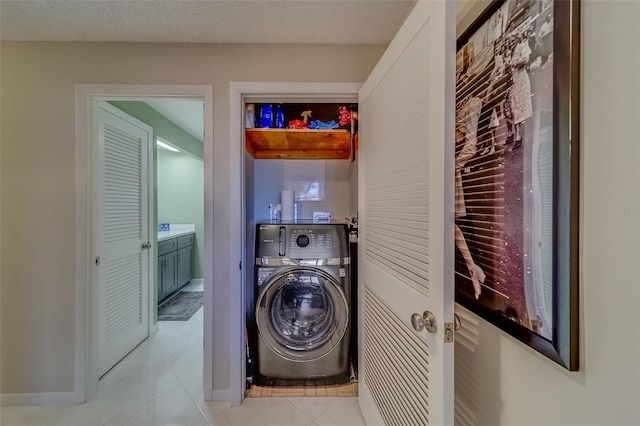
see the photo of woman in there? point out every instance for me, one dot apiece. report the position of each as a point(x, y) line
point(467, 115)
point(520, 93)
point(503, 158)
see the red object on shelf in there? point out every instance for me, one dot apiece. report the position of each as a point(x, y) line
point(297, 124)
point(344, 116)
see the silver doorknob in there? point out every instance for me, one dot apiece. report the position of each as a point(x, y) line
point(426, 320)
point(146, 245)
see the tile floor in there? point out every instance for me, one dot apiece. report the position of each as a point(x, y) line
point(160, 383)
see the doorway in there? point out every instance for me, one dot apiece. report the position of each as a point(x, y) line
point(240, 93)
point(178, 132)
point(87, 98)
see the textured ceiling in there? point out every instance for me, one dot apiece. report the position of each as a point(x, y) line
point(204, 21)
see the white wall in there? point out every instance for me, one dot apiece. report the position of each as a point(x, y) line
point(499, 381)
point(37, 173)
point(269, 181)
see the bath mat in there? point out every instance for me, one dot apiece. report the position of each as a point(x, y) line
point(180, 307)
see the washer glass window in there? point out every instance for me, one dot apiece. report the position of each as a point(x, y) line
point(302, 314)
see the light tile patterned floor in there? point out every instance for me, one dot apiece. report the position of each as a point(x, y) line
point(160, 383)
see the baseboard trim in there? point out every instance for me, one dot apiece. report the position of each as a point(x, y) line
point(197, 281)
point(43, 398)
point(154, 329)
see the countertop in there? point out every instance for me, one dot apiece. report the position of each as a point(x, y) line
point(177, 230)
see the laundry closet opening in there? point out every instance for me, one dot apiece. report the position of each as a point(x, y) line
point(301, 198)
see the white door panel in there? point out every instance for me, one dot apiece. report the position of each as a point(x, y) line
point(122, 226)
point(406, 179)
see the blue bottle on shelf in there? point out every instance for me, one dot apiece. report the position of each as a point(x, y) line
point(279, 117)
point(266, 116)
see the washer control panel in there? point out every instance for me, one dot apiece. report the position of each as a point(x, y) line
point(313, 239)
point(302, 241)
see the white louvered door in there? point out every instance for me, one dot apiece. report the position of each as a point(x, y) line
point(406, 122)
point(122, 214)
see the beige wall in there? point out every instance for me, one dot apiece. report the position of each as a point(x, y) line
point(499, 381)
point(38, 177)
point(502, 381)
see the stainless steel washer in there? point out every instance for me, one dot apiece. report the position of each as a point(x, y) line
point(302, 301)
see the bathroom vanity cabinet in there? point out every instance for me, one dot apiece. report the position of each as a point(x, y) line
point(175, 264)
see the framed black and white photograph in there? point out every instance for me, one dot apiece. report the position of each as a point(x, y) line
point(516, 165)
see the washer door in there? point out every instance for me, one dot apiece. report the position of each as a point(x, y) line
point(302, 314)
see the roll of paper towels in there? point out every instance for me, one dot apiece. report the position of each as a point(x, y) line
point(287, 199)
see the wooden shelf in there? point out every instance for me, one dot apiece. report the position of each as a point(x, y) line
point(291, 144)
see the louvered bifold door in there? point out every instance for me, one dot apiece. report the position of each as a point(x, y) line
point(406, 177)
point(123, 277)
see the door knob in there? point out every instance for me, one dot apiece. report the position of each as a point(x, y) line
point(426, 320)
point(146, 245)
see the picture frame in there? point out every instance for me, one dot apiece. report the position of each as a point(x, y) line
point(517, 172)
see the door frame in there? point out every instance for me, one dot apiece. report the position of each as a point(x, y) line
point(86, 298)
point(238, 92)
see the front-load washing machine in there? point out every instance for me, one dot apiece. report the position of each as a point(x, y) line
point(302, 299)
